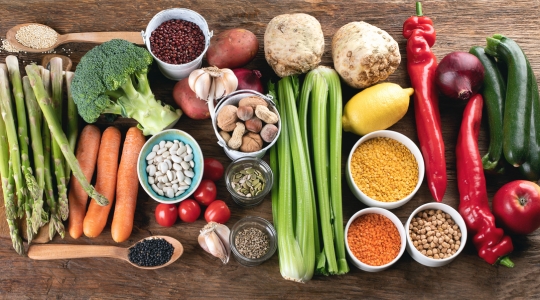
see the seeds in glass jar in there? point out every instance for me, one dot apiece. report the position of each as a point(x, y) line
point(435, 234)
point(248, 182)
point(36, 36)
point(252, 242)
point(177, 41)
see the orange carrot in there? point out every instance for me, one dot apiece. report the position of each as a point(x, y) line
point(107, 166)
point(87, 152)
point(127, 186)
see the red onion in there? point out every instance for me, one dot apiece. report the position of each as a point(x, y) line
point(249, 79)
point(459, 75)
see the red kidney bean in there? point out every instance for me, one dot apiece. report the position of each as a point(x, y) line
point(177, 41)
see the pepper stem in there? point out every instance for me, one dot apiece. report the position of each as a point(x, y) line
point(505, 261)
point(419, 9)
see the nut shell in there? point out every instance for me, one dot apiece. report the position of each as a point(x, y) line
point(251, 142)
point(227, 118)
point(252, 101)
point(244, 113)
point(254, 125)
point(269, 132)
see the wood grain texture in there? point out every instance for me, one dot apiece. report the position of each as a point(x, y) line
point(459, 25)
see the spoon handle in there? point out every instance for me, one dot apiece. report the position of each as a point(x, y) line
point(46, 252)
point(101, 37)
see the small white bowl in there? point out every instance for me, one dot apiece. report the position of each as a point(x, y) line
point(421, 258)
point(407, 143)
point(170, 135)
point(375, 210)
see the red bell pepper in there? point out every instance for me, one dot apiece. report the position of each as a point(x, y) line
point(421, 65)
point(490, 242)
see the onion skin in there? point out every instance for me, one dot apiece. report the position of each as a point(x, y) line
point(249, 79)
point(459, 75)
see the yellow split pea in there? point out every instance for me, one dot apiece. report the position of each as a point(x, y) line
point(384, 169)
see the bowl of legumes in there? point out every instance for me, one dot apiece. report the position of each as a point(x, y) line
point(375, 239)
point(385, 169)
point(170, 166)
point(436, 234)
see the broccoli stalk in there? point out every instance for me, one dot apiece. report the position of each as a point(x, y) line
point(113, 78)
point(45, 103)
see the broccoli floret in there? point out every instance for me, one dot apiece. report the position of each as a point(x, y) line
point(112, 79)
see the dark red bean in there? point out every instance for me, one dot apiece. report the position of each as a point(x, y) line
point(177, 41)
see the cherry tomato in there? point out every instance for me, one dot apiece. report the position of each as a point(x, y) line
point(166, 214)
point(189, 210)
point(213, 169)
point(217, 211)
point(206, 192)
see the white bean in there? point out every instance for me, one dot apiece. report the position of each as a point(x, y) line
point(178, 193)
point(183, 187)
point(151, 180)
point(177, 167)
point(159, 159)
point(151, 155)
point(168, 184)
point(168, 144)
point(155, 148)
point(164, 179)
point(189, 173)
point(163, 167)
point(174, 147)
point(160, 185)
point(188, 157)
point(174, 186)
point(180, 176)
point(185, 165)
point(183, 183)
point(192, 164)
point(155, 188)
point(187, 180)
point(161, 151)
point(188, 149)
point(158, 174)
point(162, 144)
point(169, 163)
point(174, 181)
point(181, 149)
point(176, 142)
point(181, 144)
point(176, 158)
point(166, 154)
point(151, 170)
point(170, 175)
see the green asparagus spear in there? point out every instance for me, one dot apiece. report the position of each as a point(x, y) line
point(8, 190)
point(72, 126)
point(46, 105)
point(58, 159)
point(14, 153)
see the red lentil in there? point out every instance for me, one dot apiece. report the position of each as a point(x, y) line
point(374, 239)
point(177, 41)
point(384, 169)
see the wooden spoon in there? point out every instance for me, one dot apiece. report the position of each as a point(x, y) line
point(47, 252)
point(83, 37)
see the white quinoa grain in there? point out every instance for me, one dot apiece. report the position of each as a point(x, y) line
point(36, 36)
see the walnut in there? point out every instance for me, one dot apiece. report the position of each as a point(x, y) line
point(251, 142)
point(244, 113)
point(254, 125)
point(252, 101)
point(269, 132)
point(226, 118)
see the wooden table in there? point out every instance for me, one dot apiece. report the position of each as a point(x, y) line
point(459, 25)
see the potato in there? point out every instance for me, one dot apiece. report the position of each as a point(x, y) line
point(364, 54)
point(232, 48)
point(192, 106)
point(293, 44)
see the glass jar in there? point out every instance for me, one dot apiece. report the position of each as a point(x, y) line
point(246, 173)
point(241, 231)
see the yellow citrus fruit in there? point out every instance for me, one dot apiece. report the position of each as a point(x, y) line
point(376, 108)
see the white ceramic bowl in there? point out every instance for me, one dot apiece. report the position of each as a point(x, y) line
point(407, 143)
point(397, 223)
point(431, 262)
point(170, 135)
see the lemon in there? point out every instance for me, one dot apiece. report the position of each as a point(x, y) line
point(375, 108)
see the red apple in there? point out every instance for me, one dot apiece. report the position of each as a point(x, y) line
point(516, 206)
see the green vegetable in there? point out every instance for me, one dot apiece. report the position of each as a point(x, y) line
point(112, 78)
point(296, 207)
point(531, 167)
point(72, 126)
point(493, 92)
point(49, 113)
point(515, 126)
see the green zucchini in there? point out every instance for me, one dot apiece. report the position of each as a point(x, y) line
point(493, 92)
point(517, 105)
point(530, 169)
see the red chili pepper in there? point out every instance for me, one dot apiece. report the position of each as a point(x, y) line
point(421, 65)
point(490, 242)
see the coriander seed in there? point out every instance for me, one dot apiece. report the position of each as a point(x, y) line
point(252, 243)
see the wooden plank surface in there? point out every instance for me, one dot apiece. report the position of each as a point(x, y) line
point(459, 25)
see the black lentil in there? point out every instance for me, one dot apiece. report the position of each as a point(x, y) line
point(252, 242)
point(177, 41)
point(151, 252)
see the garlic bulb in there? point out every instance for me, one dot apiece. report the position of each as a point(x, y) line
point(214, 239)
point(212, 83)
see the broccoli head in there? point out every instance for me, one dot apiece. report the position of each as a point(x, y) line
point(111, 78)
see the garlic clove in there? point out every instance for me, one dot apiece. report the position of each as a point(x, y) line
point(219, 87)
point(214, 239)
point(193, 78)
point(212, 92)
point(202, 86)
point(231, 82)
